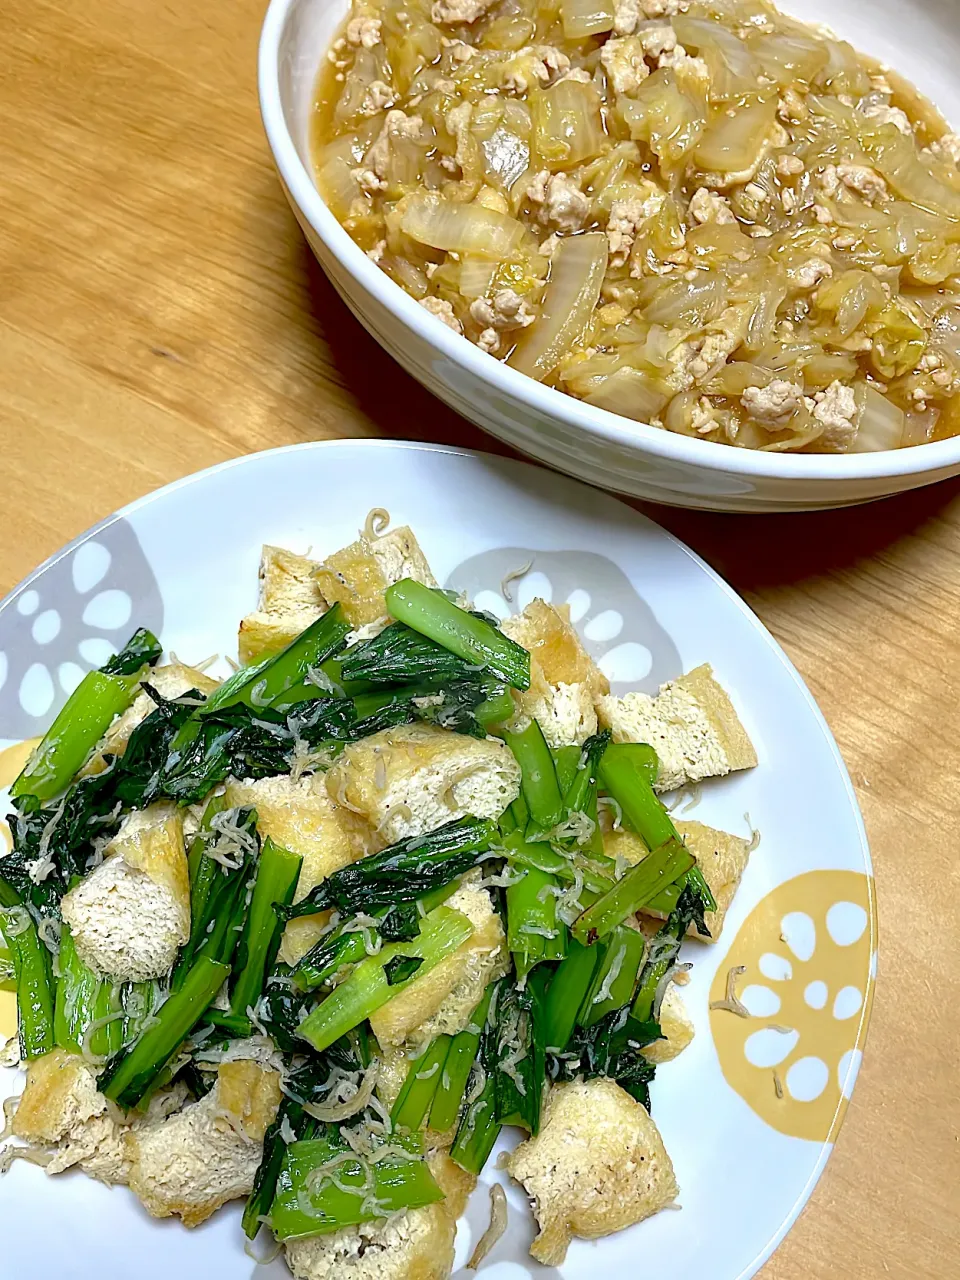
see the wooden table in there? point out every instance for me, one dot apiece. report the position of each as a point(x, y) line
point(159, 312)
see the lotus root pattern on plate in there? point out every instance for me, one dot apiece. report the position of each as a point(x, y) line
point(68, 618)
point(618, 628)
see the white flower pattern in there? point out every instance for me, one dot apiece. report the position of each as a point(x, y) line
point(67, 619)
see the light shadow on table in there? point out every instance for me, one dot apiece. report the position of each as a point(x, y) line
point(753, 552)
point(760, 552)
point(396, 403)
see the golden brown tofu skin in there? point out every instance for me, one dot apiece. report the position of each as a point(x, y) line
point(722, 858)
point(359, 574)
point(301, 817)
point(60, 1106)
point(678, 1030)
point(411, 779)
point(414, 1245)
point(290, 599)
point(597, 1165)
point(691, 723)
point(195, 1161)
point(565, 682)
point(130, 915)
point(550, 637)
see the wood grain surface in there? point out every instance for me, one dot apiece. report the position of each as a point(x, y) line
point(159, 312)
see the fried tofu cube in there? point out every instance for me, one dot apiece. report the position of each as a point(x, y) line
point(201, 1157)
point(359, 574)
point(290, 600)
point(722, 858)
point(300, 935)
point(61, 1106)
point(411, 779)
point(678, 1030)
point(691, 723)
point(288, 582)
point(248, 1095)
point(393, 1064)
point(597, 1165)
point(170, 682)
point(416, 1244)
point(441, 1002)
point(301, 817)
point(549, 636)
point(565, 682)
point(130, 915)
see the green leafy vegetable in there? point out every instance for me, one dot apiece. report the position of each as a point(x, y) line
point(632, 891)
point(143, 649)
point(83, 998)
point(627, 772)
point(8, 972)
point(282, 1008)
point(404, 871)
point(608, 1048)
point(367, 989)
point(400, 968)
point(420, 1085)
point(234, 846)
point(520, 1048)
point(31, 962)
point(469, 636)
point(479, 1126)
point(534, 933)
point(566, 762)
point(262, 683)
point(456, 1070)
point(568, 991)
point(539, 785)
point(130, 1076)
point(60, 836)
point(616, 977)
point(664, 949)
point(399, 656)
point(324, 1186)
point(277, 874)
point(84, 719)
point(290, 1117)
point(305, 1084)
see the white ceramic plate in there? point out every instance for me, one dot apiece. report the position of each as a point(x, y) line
point(184, 562)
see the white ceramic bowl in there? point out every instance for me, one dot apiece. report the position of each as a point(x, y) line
point(920, 38)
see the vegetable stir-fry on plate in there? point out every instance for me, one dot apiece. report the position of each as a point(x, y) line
point(310, 937)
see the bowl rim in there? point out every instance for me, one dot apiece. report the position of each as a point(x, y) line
point(624, 433)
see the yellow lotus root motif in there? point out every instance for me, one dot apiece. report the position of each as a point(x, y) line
point(12, 760)
point(789, 1040)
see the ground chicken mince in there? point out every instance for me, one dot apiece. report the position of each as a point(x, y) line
point(705, 216)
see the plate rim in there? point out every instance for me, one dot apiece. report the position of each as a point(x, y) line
point(828, 1144)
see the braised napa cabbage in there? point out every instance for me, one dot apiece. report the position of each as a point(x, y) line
point(701, 215)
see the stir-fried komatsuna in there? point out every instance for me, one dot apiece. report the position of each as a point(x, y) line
point(310, 937)
point(700, 214)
